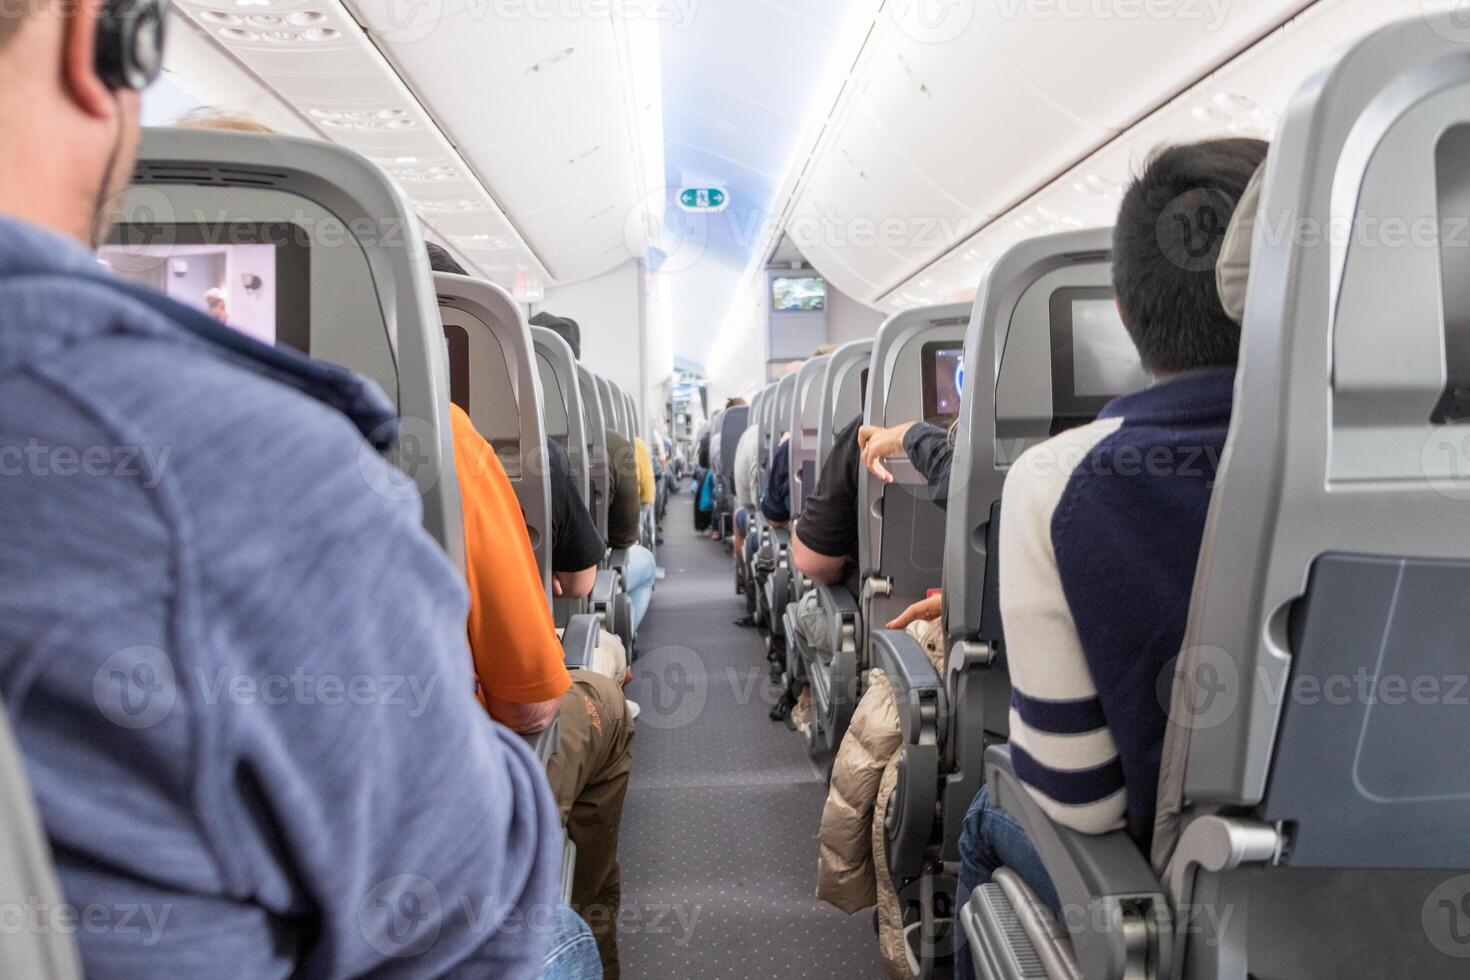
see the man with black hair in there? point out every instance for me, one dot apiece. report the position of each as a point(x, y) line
point(1102, 528)
point(564, 327)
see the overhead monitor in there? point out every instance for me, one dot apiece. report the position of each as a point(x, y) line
point(1093, 359)
point(252, 276)
point(798, 294)
point(944, 378)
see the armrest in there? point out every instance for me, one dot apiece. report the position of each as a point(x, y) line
point(546, 742)
point(844, 626)
point(1112, 902)
point(568, 869)
point(579, 640)
point(836, 601)
point(618, 558)
point(918, 690)
point(604, 589)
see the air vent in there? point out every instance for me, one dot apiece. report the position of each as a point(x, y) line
point(187, 173)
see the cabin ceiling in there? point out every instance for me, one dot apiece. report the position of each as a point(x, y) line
point(899, 146)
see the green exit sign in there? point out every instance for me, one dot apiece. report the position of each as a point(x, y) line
point(703, 199)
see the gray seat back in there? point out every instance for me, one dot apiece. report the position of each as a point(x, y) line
point(28, 877)
point(485, 326)
point(595, 425)
point(844, 394)
point(806, 412)
point(1316, 682)
point(716, 442)
point(1021, 337)
point(1011, 357)
point(778, 414)
point(766, 403)
point(611, 416)
point(733, 423)
point(635, 430)
point(619, 408)
point(900, 527)
point(351, 287)
point(561, 394)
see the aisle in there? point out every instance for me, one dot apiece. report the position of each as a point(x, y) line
point(719, 849)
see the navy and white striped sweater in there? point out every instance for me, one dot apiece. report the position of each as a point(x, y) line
point(1101, 531)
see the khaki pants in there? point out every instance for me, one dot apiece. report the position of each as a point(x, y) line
point(811, 623)
point(589, 778)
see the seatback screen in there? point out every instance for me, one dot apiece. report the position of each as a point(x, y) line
point(252, 276)
point(1093, 358)
point(944, 379)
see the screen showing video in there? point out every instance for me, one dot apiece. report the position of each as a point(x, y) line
point(803, 294)
point(1093, 359)
point(253, 277)
point(1104, 361)
point(944, 379)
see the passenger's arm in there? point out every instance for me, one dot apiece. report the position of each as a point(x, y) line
point(878, 444)
point(377, 785)
point(928, 609)
point(821, 569)
point(932, 454)
point(523, 719)
point(1061, 746)
point(513, 641)
point(575, 585)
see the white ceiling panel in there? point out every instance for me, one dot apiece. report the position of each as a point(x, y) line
point(537, 108)
point(966, 127)
point(1244, 97)
point(1111, 60)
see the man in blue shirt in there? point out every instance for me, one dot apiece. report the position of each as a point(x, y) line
point(1102, 527)
point(237, 675)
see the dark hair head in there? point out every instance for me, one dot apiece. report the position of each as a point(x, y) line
point(1165, 246)
point(565, 327)
point(735, 402)
point(441, 261)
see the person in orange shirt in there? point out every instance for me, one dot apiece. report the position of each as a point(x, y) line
point(524, 683)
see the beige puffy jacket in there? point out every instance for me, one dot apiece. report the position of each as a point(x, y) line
point(845, 864)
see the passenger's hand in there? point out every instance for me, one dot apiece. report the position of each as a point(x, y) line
point(928, 610)
point(556, 587)
point(877, 444)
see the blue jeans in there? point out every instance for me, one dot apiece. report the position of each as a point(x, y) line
point(992, 839)
point(573, 953)
point(640, 572)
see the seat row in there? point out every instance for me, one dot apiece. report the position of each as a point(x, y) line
point(1296, 835)
point(355, 288)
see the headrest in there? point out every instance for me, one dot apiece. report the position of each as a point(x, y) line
point(1232, 271)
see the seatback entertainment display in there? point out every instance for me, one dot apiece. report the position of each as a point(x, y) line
point(254, 277)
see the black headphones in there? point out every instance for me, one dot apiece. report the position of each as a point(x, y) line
point(130, 43)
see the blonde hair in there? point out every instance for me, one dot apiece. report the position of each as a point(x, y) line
point(206, 117)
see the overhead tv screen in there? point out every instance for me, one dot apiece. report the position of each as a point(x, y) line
point(798, 294)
